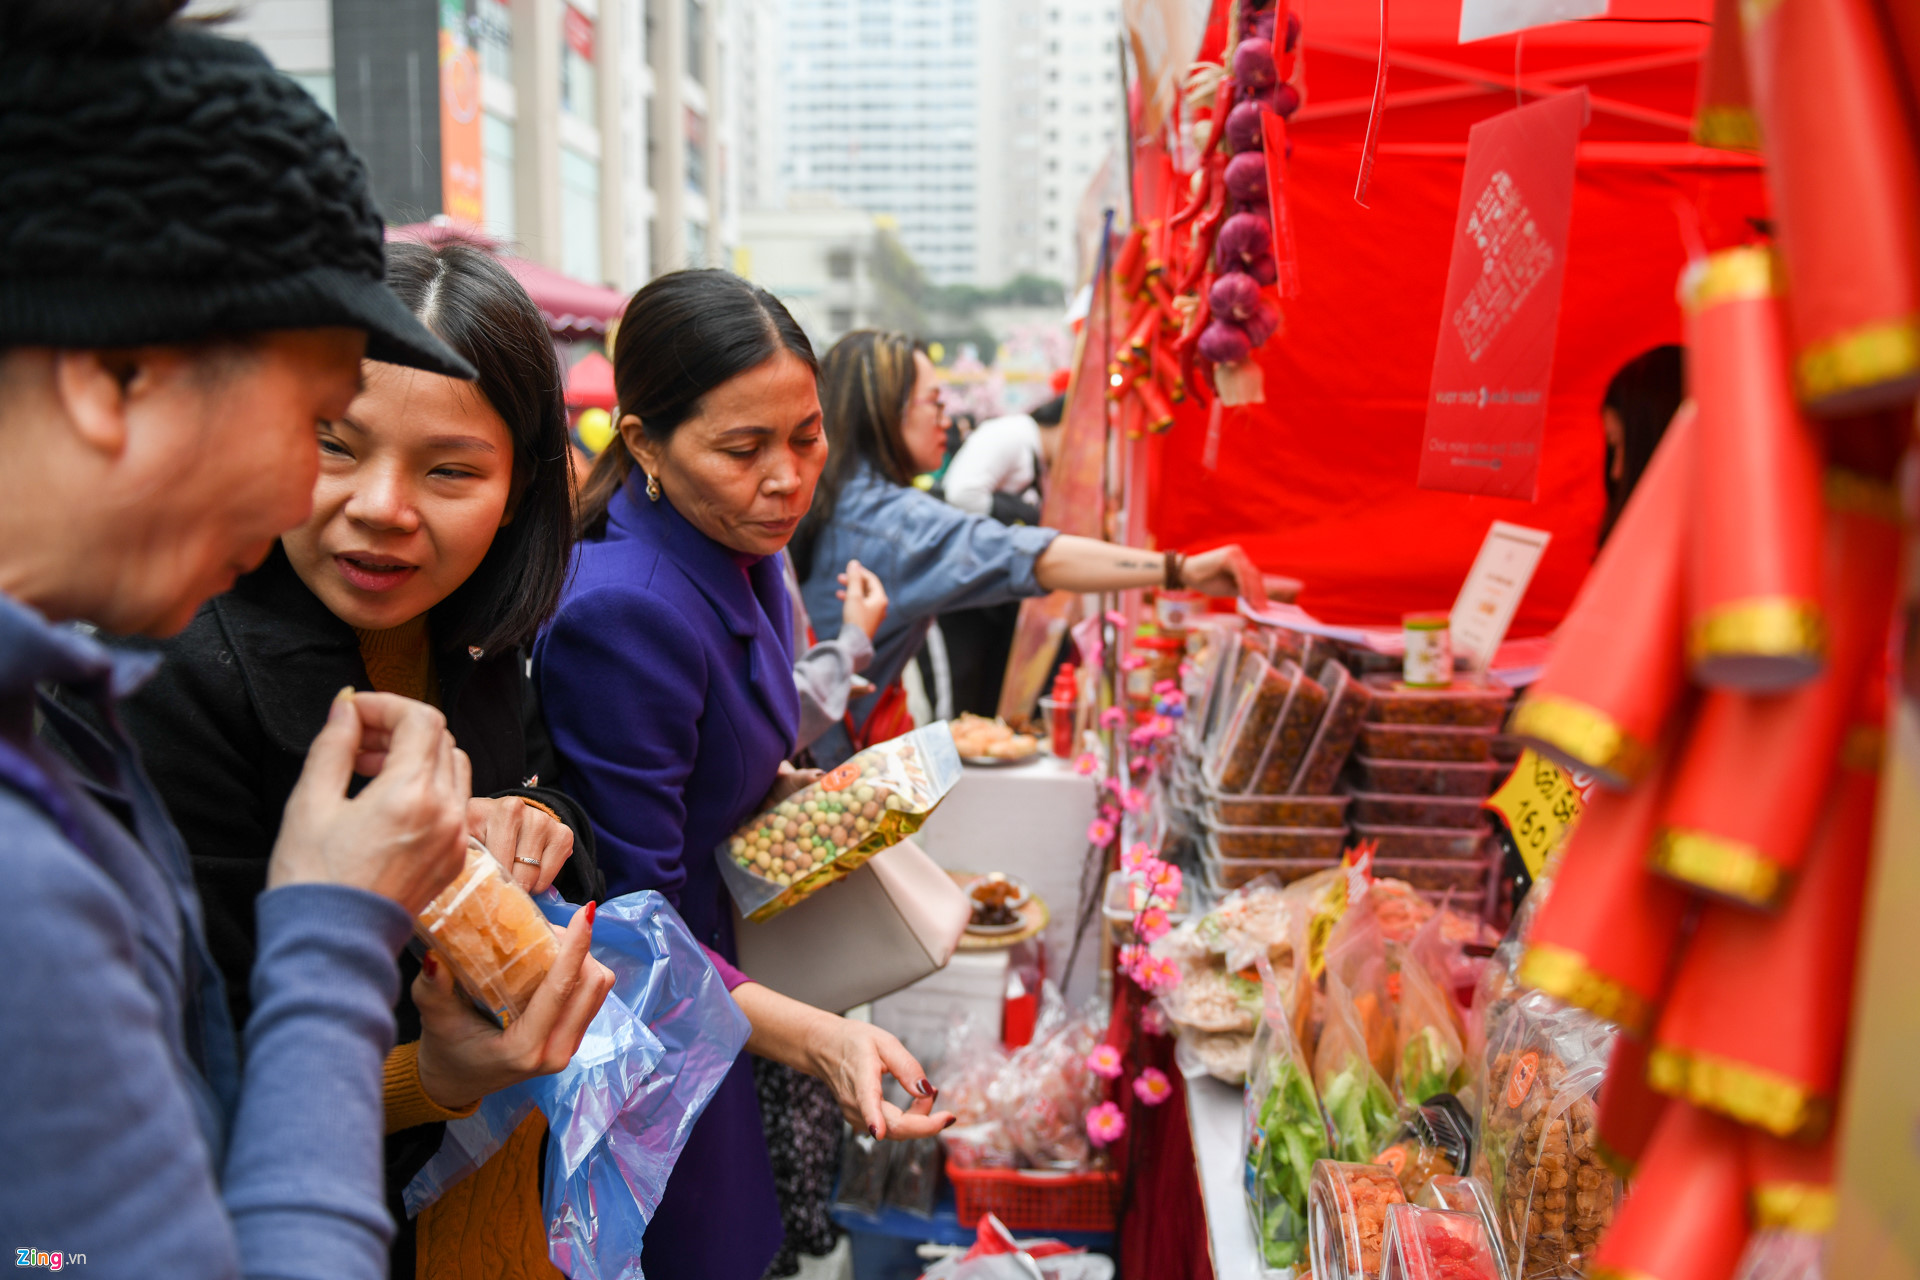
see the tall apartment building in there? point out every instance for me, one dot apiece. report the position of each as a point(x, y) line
point(973, 124)
point(588, 134)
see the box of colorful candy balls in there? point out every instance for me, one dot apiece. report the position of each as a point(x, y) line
point(828, 828)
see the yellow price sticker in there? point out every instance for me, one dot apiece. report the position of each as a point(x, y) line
point(1539, 802)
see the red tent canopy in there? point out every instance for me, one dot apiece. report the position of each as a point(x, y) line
point(590, 383)
point(573, 309)
point(1318, 482)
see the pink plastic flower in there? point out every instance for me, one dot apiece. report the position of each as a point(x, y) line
point(1130, 957)
point(1099, 831)
point(1157, 974)
point(1152, 924)
point(1116, 617)
point(1152, 1087)
point(1154, 1022)
point(1112, 718)
point(1163, 882)
point(1086, 764)
point(1136, 858)
point(1104, 1062)
point(1133, 662)
point(1105, 1124)
point(1133, 799)
point(1161, 688)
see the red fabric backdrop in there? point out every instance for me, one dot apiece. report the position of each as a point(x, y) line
point(1318, 482)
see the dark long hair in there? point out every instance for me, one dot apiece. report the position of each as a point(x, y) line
point(683, 335)
point(474, 305)
point(1646, 393)
point(865, 383)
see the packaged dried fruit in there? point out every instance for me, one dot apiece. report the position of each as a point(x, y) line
point(1292, 735)
point(1383, 809)
point(1437, 1244)
point(1236, 755)
point(1552, 1193)
point(1420, 778)
point(1423, 842)
point(1435, 1141)
point(1425, 742)
point(1464, 1194)
point(1465, 703)
point(1278, 842)
point(492, 937)
point(1347, 703)
point(1273, 811)
point(1347, 1219)
point(832, 826)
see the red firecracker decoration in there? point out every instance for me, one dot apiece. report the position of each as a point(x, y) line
point(1841, 166)
point(1756, 1024)
point(1724, 116)
point(1755, 769)
point(1606, 937)
point(1616, 672)
point(1629, 1107)
point(1687, 1216)
point(1754, 620)
point(1792, 1184)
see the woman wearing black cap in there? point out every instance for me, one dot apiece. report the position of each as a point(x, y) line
point(190, 273)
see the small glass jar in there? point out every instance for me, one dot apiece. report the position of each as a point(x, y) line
point(1428, 663)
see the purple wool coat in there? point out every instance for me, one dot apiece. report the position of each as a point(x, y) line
point(666, 679)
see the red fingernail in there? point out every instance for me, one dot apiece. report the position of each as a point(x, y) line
point(926, 1088)
point(590, 909)
point(950, 1122)
point(429, 965)
point(874, 1129)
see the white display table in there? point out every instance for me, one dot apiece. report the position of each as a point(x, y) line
point(1213, 1112)
point(1029, 821)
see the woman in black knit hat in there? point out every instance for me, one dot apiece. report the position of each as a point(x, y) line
point(190, 273)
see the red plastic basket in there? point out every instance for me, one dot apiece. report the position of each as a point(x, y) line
point(1033, 1200)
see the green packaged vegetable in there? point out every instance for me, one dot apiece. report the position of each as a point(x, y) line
point(1285, 1133)
point(1360, 1108)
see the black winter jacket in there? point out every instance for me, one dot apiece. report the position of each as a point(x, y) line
point(223, 729)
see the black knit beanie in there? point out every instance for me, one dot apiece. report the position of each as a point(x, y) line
point(178, 188)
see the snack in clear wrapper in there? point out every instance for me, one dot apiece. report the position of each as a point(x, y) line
point(1043, 1096)
point(1227, 1056)
point(1463, 704)
point(1292, 734)
point(1359, 1105)
point(1347, 1207)
point(913, 1180)
point(1477, 779)
point(1437, 1244)
point(1554, 1194)
point(1214, 1000)
point(833, 826)
point(1384, 809)
point(864, 1162)
point(491, 936)
point(1425, 742)
point(1436, 1141)
point(1347, 703)
point(1243, 743)
point(1431, 1061)
point(1284, 1132)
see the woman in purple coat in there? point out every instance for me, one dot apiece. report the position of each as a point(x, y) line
point(667, 682)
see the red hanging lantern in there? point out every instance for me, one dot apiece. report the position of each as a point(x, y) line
point(1754, 619)
point(1616, 672)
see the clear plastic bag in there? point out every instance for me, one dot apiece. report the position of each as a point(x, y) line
point(827, 829)
point(1430, 1059)
point(1552, 1193)
point(1360, 1108)
point(1283, 1134)
point(490, 935)
point(619, 1113)
point(864, 1164)
point(1043, 1096)
point(913, 1181)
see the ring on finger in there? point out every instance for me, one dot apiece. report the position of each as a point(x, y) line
point(532, 862)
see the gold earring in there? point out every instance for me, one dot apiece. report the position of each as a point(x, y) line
point(653, 487)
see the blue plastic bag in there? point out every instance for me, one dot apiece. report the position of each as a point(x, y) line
point(620, 1112)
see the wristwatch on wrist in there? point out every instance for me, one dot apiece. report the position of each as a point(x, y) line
point(1176, 563)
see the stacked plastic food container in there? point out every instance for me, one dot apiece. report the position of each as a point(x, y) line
point(1422, 766)
point(1290, 758)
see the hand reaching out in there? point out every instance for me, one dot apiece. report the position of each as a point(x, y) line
point(865, 599)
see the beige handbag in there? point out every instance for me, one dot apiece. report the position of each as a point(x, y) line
point(890, 922)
